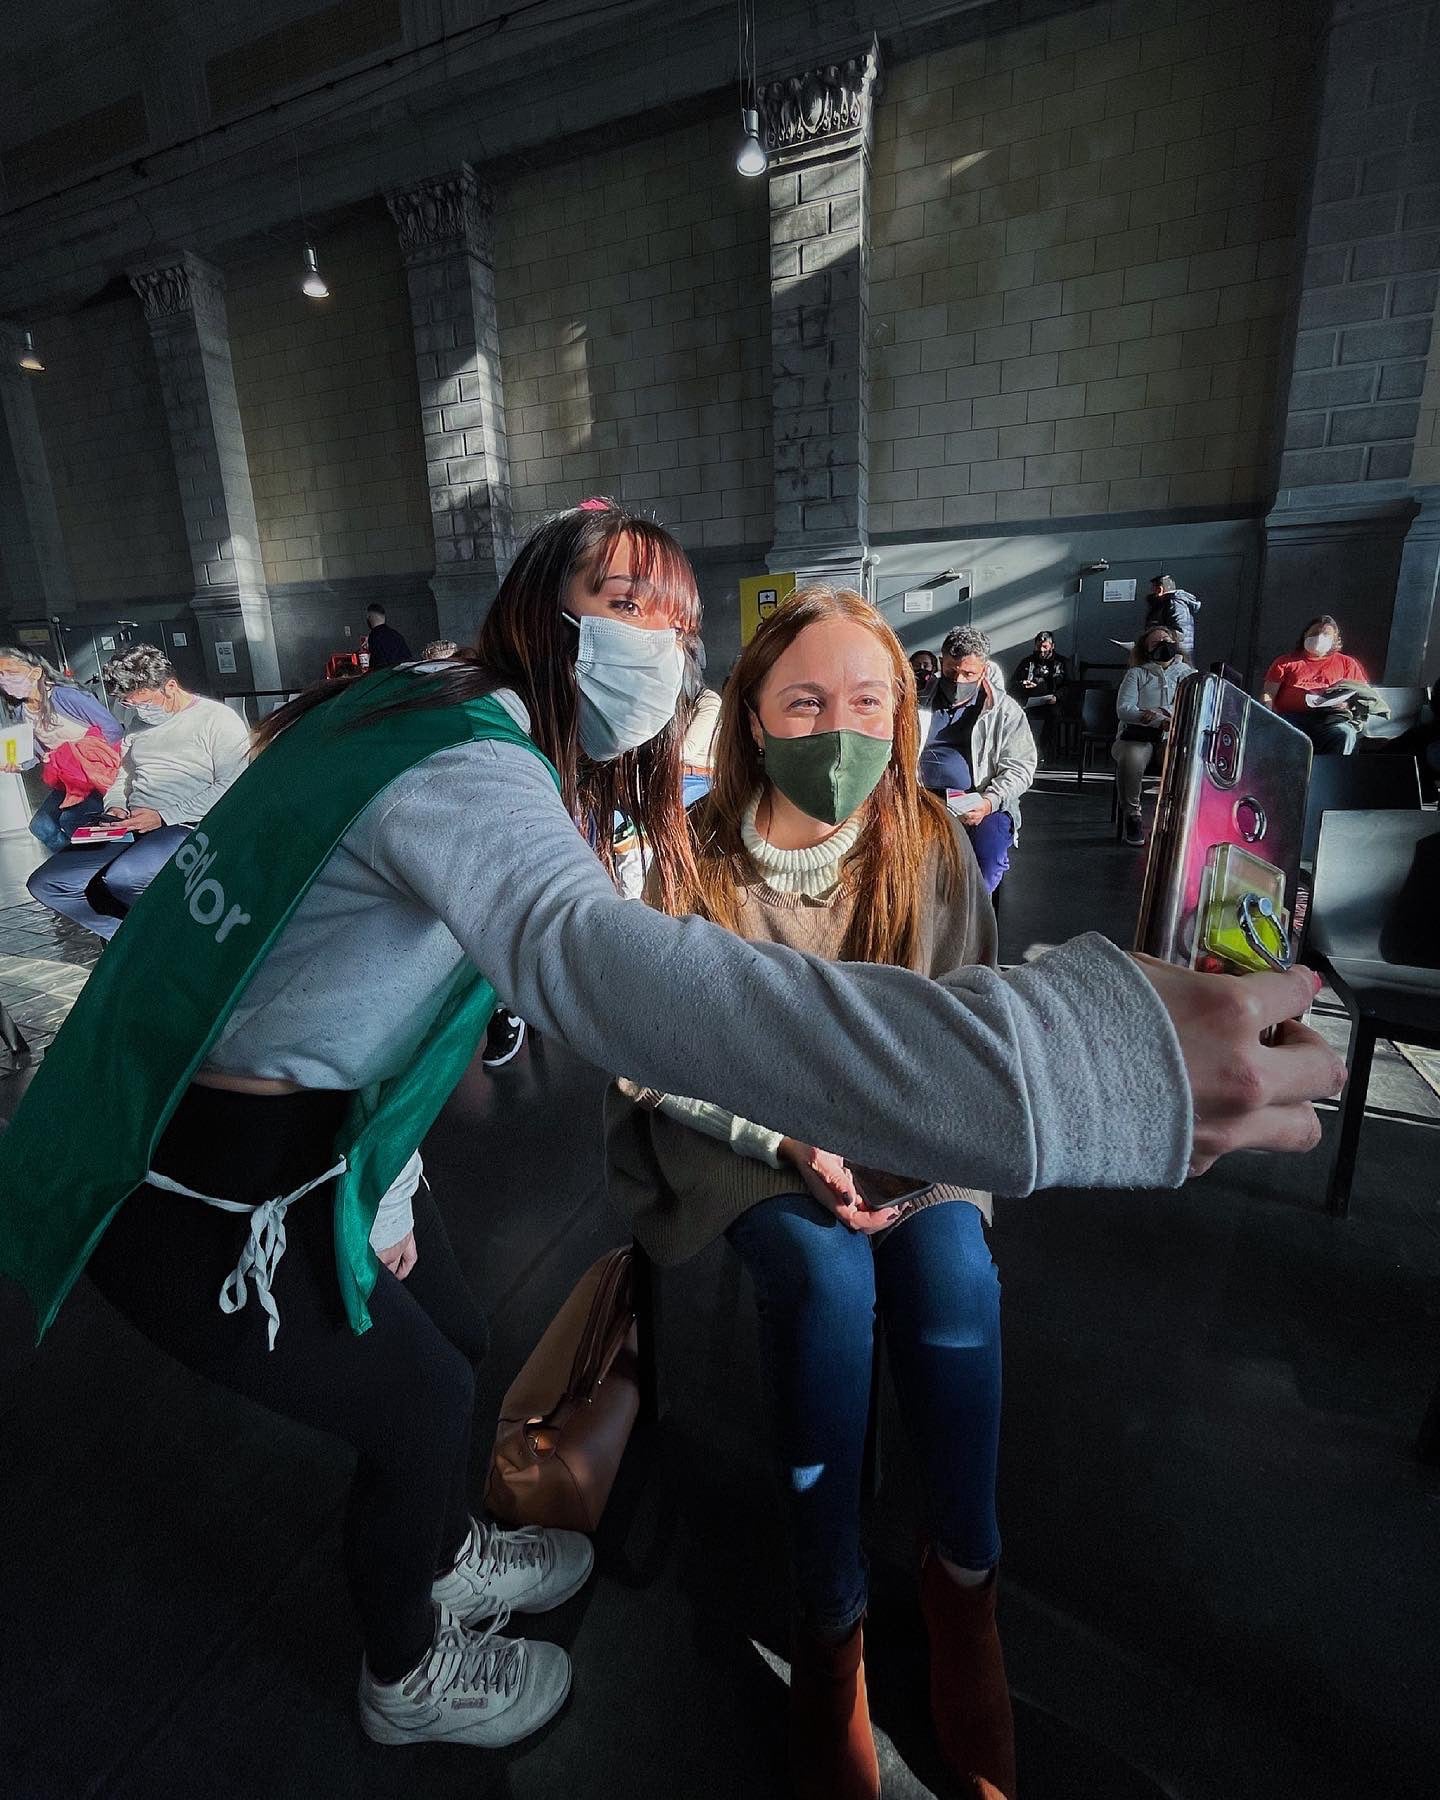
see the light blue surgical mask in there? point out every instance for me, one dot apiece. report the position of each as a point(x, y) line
point(629, 682)
point(150, 714)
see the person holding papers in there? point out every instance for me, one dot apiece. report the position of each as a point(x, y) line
point(1314, 688)
point(977, 751)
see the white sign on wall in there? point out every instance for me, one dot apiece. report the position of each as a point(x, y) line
point(225, 654)
point(179, 639)
point(919, 600)
point(1119, 592)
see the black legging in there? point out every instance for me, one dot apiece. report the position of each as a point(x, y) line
point(401, 1394)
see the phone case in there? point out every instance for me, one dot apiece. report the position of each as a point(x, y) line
point(1222, 874)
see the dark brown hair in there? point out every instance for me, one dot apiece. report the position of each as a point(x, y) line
point(902, 823)
point(527, 644)
point(1324, 619)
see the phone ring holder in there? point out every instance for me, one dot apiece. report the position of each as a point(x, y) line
point(1254, 912)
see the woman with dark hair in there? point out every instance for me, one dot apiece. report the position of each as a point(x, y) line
point(458, 817)
point(1145, 708)
point(1300, 685)
point(76, 741)
point(818, 835)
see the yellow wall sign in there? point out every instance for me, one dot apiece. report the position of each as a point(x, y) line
point(759, 596)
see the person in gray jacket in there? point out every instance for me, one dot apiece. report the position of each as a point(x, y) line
point(1173, 607)
point(1145, 706)
point(977, 750)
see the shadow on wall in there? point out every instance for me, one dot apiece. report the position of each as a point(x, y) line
point(1027, 583)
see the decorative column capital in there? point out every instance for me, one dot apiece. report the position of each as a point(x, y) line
point(180, 287)
point(444, 212)
point(828, 107)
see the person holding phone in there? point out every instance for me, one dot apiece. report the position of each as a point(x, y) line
point(462, 815)
point(1145, 707)
point(817, 835)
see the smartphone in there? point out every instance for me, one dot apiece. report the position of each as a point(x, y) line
point(879, 1191)
point(1222, 876)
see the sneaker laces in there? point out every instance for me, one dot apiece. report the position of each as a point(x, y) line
point(498, 1551)
point(474, 1660)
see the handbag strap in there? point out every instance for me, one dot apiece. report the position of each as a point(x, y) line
point(611, 1314)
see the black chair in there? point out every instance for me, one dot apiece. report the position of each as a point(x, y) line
point(1097, 724)
point(1372, 934)
point(1357, 784)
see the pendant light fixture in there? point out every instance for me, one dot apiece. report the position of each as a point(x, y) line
point(30, 357)
point(752, 157)
point(313, 285)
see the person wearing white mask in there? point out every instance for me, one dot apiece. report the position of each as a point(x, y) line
point(460, 816)
point(183, 755)
point(1300, 685)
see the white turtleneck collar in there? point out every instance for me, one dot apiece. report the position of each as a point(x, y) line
point(814, 872)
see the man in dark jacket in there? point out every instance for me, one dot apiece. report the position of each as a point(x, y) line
point(386, 645)
point(1173, 608)
point(1036, 684)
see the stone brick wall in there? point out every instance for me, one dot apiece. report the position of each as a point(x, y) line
point(330, 410)
point(102, 419)
point(633, 296)
point(1372, 253)
point(1084, 248)
point(1425, 469)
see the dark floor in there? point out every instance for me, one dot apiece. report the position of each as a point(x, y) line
point(1222, 1568)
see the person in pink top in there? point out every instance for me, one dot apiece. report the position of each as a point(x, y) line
point(1316, 664)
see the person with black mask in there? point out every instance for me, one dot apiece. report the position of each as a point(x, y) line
point(1036, 684)
point(1145, 706)
point(926, 665)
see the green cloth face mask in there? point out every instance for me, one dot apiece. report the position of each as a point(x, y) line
point(830, 774)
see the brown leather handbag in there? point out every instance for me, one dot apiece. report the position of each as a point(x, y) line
point(566, 1420)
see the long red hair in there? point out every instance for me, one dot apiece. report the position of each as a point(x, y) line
point(903, 823)
point(525, 643)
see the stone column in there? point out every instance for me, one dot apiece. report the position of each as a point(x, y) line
point(819, 129)
point(1338, 532)
point(446, 227)
point(184, 302)
point(32, 549)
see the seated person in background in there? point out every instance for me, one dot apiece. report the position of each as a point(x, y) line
point(185, 754)
point(1036, 684)
point(926, 665)
point(1145, 706)
point(700, 709)
point(383, 644)
point(1174, 608)
point(76, 743)
point(1314, 666)
point(977, 752)
point(816, 835)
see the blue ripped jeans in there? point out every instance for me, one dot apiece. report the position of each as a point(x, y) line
point(820, 1287)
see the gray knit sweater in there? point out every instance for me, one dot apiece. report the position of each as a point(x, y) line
point(989, 1080)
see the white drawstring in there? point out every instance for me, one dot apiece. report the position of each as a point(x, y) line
point(263, 1247)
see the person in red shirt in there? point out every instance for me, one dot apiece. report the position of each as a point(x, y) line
point(1316, 663)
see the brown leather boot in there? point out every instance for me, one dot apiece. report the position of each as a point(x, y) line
point(969, 1700)
point(832, 1753)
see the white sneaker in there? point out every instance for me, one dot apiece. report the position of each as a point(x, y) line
point(524, 1571)
point(469, 1688)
